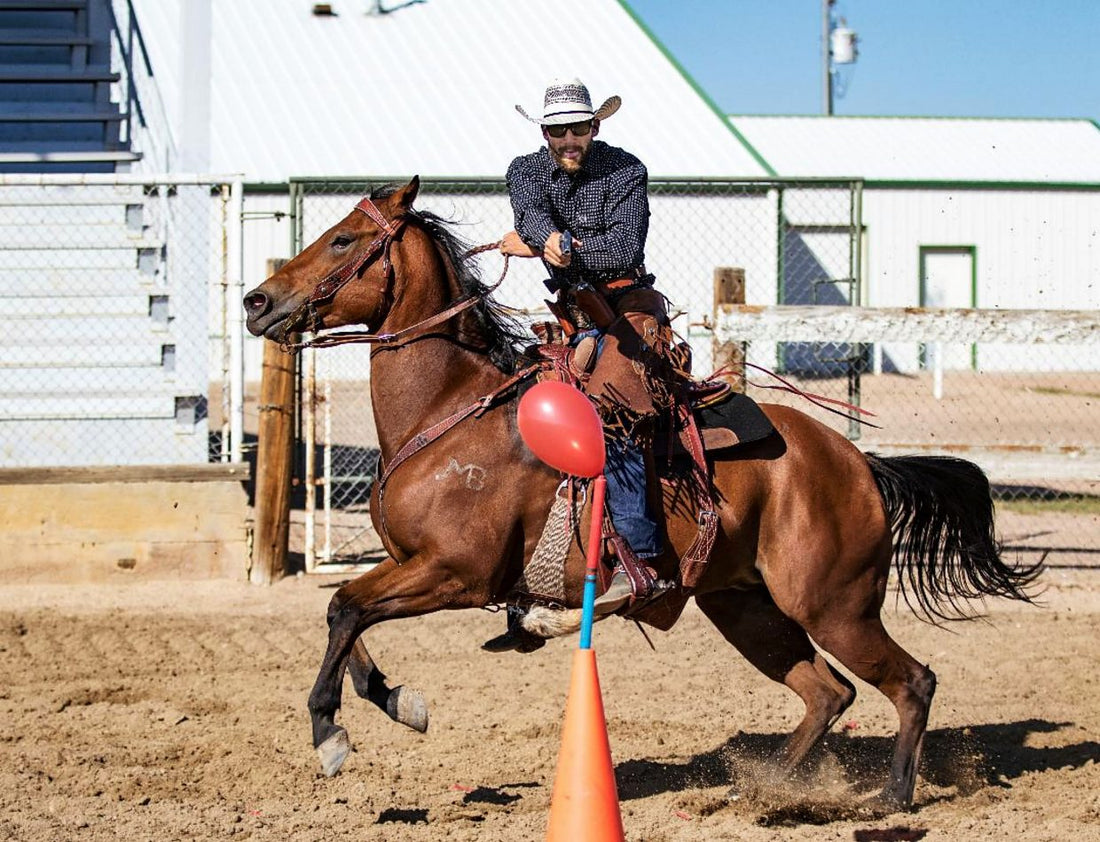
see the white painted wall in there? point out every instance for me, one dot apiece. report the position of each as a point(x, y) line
point(1034, 249)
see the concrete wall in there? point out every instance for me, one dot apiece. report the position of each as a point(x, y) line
point(95, 525)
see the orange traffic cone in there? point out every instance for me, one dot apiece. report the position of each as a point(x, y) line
point(585, 802)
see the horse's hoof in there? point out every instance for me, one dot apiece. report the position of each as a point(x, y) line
point(333, 752)
point(408, 707)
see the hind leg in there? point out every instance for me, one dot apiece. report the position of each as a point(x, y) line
point(780, 648)
point(863, 646)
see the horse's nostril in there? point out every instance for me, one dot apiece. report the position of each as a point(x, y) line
point(256, 304)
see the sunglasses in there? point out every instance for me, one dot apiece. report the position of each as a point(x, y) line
point(578, 129)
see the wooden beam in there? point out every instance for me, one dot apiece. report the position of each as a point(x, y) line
point(213, 472)
point(729, 354)
point(274, 462)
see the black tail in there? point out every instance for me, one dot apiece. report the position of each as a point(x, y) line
point(945, 551)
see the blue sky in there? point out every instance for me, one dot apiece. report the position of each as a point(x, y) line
point(987, 58)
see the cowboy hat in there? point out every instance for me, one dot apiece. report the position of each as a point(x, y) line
point(568, 101)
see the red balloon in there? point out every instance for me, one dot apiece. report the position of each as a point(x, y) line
point(562, 428)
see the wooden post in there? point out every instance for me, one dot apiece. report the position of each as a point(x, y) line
point(274, 462)
point(729, 288)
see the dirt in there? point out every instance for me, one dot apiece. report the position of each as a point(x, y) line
point(176, 710)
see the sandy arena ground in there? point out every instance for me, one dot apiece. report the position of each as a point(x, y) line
point(167, 711)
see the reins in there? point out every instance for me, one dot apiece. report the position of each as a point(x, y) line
point(817, 400)
point(328, 287)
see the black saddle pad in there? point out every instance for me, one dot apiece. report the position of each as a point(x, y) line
point(738, 413)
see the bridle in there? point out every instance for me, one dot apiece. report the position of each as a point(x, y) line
point(326, 288)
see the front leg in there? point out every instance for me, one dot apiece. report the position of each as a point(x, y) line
point(401, 704)
point(389, 591)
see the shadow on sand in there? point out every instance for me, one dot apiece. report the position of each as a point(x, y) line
point(965, 759)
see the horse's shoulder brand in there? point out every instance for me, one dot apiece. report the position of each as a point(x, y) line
point(474, 475)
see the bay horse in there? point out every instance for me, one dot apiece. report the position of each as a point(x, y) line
point(809, 525)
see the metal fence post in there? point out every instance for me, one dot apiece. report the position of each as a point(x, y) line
point(235, 272)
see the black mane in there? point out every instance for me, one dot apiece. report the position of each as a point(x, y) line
point(502, 334)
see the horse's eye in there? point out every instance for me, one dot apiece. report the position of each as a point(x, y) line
point(341, 241)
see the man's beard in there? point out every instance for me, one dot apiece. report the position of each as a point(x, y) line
point(570, 165)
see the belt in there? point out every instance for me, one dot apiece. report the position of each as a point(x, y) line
point(630, 279)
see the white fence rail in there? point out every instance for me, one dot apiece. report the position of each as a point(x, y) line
point(744, 323)
point(1037, 422)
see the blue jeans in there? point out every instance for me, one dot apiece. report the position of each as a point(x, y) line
point(627, 499)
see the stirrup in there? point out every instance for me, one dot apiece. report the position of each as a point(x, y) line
point(619, 594)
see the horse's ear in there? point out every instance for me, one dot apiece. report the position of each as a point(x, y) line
point(407, 194)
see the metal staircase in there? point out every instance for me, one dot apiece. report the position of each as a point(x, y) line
point(56, 109)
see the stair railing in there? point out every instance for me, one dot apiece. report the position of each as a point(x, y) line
point(151, 132)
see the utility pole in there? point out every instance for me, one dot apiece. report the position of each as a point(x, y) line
point(838, 46)
point(826, 56)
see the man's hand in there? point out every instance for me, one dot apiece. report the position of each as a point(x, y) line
point(513, 245)
point(552, 254)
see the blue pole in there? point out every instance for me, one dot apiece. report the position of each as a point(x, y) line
point(595, 550)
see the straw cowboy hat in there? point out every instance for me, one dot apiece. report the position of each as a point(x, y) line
point(568, 101)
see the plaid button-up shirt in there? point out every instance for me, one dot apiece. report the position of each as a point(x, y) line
point(605, 206)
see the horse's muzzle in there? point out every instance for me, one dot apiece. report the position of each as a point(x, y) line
point(264, 317)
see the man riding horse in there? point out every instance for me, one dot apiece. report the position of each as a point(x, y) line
point(581, 205)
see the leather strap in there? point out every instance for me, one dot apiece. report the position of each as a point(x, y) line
point(328, 286)
point(641, 576)
point(695, 559)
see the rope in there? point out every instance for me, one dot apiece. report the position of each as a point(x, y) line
point(476, 250)
point(817, 400)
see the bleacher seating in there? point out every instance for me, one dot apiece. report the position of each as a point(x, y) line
point(56, 109)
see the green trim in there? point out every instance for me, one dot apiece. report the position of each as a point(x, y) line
point(972, 250)
point(705, 181)
point(703, 95)
point(296, 196)
point(257, 188)
point(781, 270)
point(752, 150)
point(856, 247)
point(427, 183)
point(919, 184)
point(762, 182)
point(836, 118)
point(780, 243)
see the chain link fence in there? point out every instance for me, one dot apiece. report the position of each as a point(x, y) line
point(791, 239)
point(117, 321)
point(948, 388)
point(797, 243)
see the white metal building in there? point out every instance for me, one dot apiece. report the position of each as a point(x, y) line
point(269, 89)
point(993, 213)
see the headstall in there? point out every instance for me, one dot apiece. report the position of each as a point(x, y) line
point(329, 286)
